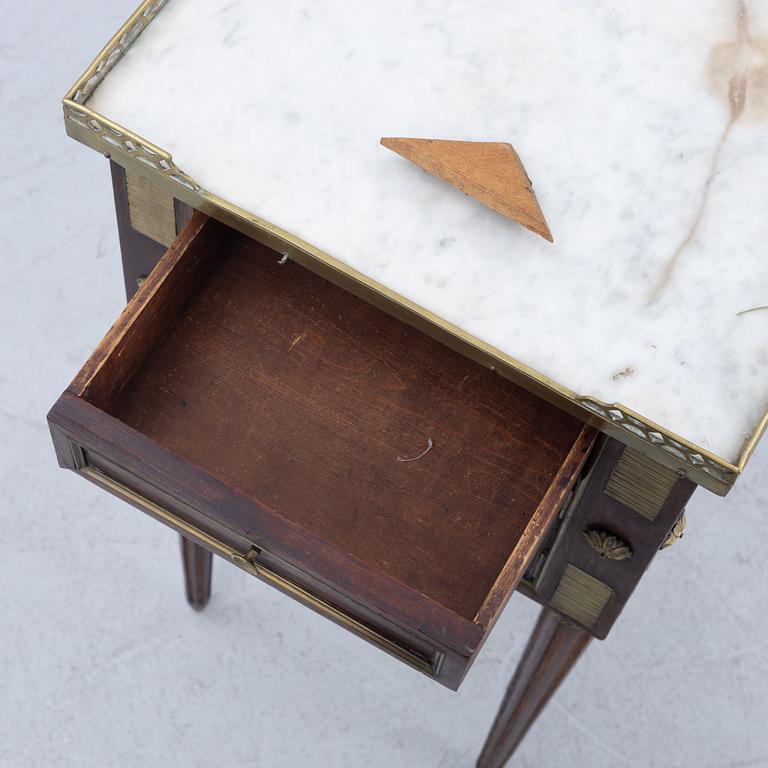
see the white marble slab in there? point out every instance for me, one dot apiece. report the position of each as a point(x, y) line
point(621, 113)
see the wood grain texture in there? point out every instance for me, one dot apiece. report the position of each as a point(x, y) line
point(305, 398)
point(490, 172)
point(197, 565)
point(552, 650)
point(270, 408)
point(538, 526)
point(151, 311)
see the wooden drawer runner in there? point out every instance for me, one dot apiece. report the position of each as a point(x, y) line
point(324, 446)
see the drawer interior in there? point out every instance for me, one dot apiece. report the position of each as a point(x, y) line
point(321, 408)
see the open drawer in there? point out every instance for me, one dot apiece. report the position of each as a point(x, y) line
point(283, 423)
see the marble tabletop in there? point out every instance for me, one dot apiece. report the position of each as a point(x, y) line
point(643, 126)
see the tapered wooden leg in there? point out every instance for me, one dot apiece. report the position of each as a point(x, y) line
point(197, 573)
point(552, 650)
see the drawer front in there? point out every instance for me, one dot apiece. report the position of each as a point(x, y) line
point(251, 558)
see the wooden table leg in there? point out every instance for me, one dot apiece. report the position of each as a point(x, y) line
point(197, 564)
point(552, 650)
point(623, 510)
point(140, 253)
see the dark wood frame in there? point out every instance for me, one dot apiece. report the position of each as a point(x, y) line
point(557, 641)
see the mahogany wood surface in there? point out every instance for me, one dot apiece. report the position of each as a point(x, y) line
point(123, 350)
point(313, 409)
point(552, 650)
point(220, 511)
point(307, 399)
point(197, 563)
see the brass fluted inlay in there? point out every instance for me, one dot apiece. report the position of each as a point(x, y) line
point(641, 484)
point(580, 596)
point(150, 209)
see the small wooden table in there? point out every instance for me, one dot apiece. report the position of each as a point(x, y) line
point(398, 467)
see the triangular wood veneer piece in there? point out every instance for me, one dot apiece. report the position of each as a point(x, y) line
point(489, 171)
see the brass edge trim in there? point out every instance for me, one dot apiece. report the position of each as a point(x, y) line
point(430, 667)
point(656, 437)
point(109, 137)
point(99, 132)
point(751, 442)
point(84, 468)
point(251, 565)
point(113, 51)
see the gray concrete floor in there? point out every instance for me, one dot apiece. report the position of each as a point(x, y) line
point(101, 662)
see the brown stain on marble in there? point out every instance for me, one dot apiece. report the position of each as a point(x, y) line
point(738, 70)
point(738, 73)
